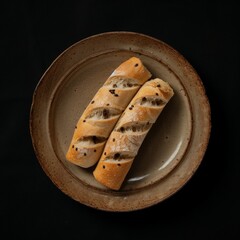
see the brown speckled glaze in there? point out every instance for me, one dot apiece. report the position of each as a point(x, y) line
point(171, 152)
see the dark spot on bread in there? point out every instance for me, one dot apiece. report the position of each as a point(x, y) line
point(85, 154)
point(113, 139)
point(119, 164)
point(75, 127)
point(159, 102)
point(122, 129)
point(84, 120)
point(116, 95)
point(94, 138)
point(157, 94)
point(114, 85)
point(136, 65)
point(103, 166)
point(76, 149)
point(116, 156)
point(144, 100)
point(129, 85)
point(95, 150)
point(105, 153)
point(158, 85)
point(108, 104)
point(72, 146)
point(105, 113)
point(112, 91)
point(130, 108)
point(92, 102)
point(134, 129)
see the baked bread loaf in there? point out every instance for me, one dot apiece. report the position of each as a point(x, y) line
point(100, 116)
point(131, 129)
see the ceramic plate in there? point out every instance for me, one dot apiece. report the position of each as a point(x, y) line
point(172, 150)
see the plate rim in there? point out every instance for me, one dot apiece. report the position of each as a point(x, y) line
point(186, 179)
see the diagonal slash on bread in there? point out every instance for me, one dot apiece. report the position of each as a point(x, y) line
point(130, 131)
point(102, 113)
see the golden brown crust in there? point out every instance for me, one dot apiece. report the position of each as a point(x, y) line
point(105, 175)
point(130, 131)
point(102, 113)
point(138, 71)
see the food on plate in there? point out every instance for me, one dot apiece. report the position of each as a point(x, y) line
point(131, 129)
point(99, 118)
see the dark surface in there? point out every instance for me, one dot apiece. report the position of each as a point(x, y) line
point(33, 34)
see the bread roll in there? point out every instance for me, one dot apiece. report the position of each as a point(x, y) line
point(100, 116)
point(130, 131)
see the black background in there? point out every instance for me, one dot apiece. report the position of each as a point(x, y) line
point(34, 33)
